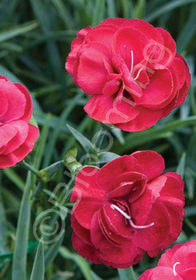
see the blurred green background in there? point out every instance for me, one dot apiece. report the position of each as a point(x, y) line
point(35, 39)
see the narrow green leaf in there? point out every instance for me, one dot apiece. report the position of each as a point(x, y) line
point(42, 143)
point(128, 9)
point(19, 30)
point(38, 266)
point(107, 157)
point(98, 12)
point(111, 8)
point(190, 211)
point(85, 143)
point(132, 140)
point(3, 238)
point(53, 251)
point(61, 121)
point(20, 250)
point(82, 263)
point(187, 32)
point(181, 166)
point(140, 9)
point(127, 274)
point(9, 75)
point(190, 183)
point(166, 8)
point(14, 177)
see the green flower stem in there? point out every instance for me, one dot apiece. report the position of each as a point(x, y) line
point(30, 168)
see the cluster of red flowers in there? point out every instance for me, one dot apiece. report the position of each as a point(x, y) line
point(128, 207)
point(17, 136)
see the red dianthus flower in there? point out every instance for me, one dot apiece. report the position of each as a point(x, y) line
point(178, 263)
point(132, 71)
point(17, 136)
point(125, 209)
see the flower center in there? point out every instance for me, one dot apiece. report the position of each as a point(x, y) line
point(114, 207)
point(135, 71)
point(174, 268)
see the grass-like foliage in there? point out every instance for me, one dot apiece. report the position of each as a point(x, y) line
point(35, 39)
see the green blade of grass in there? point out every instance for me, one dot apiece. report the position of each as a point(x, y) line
point(20, 250)
point(42, 143)
point(181, 166)
point(111, 8)
point(187, 32)
point(166, 8)
point(82, 263)
point(19, 30)
point(85, 143)
point(38, 266)
point(132, 140)
point(127, 274)
point(14, 177)
point(128, 9)
point(53, 251)
point(98, 12)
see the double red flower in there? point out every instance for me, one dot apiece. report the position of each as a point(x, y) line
point(132, 70)
point(17, 136)
point(125, 209)
point(178, 263)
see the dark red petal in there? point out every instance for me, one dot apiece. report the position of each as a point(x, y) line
point(173, 190)
point(86, 250)
point(15, 99)
point(91, 73)
point(160, 273)
point(175, 213)
point(84, 210)
point(7, 133)
point(3, 102)
point(152, 164)
point(106, 109)
point(108, 174)
point(141, 207)
point(156, 185)
point(101, 34)
point(124, 42)
point(109, 230)
point(179, 70)
point(166, 258)
point(82, 232)
point(189, 274)
point(22, 129)
point(130, 185)
point(75, 46)
point(113, 22)
point(169, 48)
point(145, 119)
point(158, 91)
point(21, 152)
point(99, 237)
point(148, 30)
point(149, 239)
point(117, 223)
point(29, 105)
point(85, 185)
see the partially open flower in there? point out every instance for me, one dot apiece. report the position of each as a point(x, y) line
point(132, 71)
point(17, 136)
point(178, 263)
point(125, 209)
